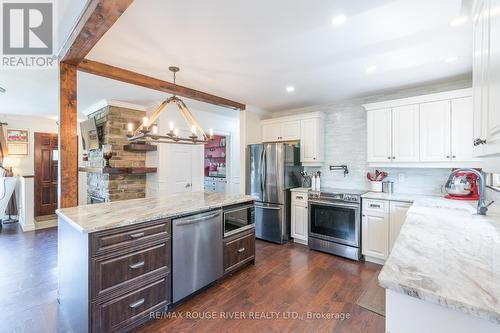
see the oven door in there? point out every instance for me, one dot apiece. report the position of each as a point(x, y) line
point(238, 219)
point(335, 221)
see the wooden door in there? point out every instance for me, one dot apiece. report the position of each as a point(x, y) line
point(379, 135)
point(405, 134)
point(46, 163)
point(290, 131)
point(271, 132)
point(435, 135)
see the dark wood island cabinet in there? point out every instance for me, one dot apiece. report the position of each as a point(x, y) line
point(111, 280)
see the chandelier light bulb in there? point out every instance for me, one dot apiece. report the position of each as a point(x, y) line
point(193, 129)
point(176, 132)
point(145, 122)
point(130, 127)
point(211, 132)
point(171, 125)
point(154, 129)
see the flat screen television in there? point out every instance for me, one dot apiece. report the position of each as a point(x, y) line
point(90, 134)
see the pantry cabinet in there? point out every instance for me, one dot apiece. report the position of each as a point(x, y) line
point(308, 128)
point(431, 130)
point(486, 77)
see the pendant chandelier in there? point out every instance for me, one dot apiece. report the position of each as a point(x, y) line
point(147, 132)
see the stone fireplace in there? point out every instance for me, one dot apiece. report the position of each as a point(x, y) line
point(115, 184)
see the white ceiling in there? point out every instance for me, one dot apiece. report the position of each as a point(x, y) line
point(249, 51)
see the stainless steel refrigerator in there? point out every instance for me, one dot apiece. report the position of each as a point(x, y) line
point(273, 169)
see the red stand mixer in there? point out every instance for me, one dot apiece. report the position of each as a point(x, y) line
point(463, 187)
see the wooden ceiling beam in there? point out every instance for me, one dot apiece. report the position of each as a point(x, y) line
point(124, 75)
point(95, 21)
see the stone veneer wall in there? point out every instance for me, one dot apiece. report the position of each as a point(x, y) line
point(115, 187)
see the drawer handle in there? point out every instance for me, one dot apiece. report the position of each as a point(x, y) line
point(241, 250)
point(136, 304)
point(374, 206)
point(137, 265)
point(137, 235)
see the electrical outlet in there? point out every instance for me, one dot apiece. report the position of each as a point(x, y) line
point(401, 177)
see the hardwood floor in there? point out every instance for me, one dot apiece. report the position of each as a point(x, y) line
point(286, 279)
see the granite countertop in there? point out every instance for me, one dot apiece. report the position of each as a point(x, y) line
point(92, 218)
point(448, 256)
point(405, 197)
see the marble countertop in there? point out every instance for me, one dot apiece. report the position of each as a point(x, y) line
point(301, 189)
point(446, 255)
point(92, 218)
point(405, 197)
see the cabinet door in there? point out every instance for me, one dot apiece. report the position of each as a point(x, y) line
point(435, 136)
point(311, 141)
point(290, 131)
point(480, 54)
point(375, 234)
point(462, 136)
point(299, 222)
point(405, 134)
point(397, 218)
point(271, 132)
point(379, 135)
point(493, 76)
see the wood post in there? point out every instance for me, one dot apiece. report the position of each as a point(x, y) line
point(68, 139)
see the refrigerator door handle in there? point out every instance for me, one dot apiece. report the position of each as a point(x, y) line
point(261, 173)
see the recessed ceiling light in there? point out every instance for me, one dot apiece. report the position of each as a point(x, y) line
point(290, 89)
point(371, 69)
point(451, 59)
point(339, 19)
point(459, 21)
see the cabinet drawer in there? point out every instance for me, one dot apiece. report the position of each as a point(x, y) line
point(118, 314)
point(114, 272)
point(302, 197)
point(238, 251)
point(111, 240)
point(375, 205)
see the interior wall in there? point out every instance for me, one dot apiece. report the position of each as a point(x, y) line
point(224, 122)
point(250, 130)
point(346, 143)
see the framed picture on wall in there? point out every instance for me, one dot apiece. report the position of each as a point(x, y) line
point(18, 141)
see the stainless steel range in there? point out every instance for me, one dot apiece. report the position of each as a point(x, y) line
point(335, 222)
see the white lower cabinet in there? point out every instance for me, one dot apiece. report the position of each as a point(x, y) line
point(299, 218)
point(375, 229)
point(397, 217)
point(381, 223)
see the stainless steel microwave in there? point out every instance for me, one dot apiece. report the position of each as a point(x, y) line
point(238, 218)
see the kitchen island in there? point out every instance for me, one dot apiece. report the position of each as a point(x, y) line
point(122, 261)
point(443, 273)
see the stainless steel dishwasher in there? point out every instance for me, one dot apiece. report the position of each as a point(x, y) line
point(197, 252)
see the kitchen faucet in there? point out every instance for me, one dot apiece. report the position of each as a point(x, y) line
point(482, 208)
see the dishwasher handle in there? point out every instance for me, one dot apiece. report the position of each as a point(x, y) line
point(196, 218)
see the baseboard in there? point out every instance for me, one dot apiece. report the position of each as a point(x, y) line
point(300, 241)
point(375, 260)
point(46, 224)
point(27, 228)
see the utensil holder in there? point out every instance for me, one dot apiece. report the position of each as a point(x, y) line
point(376, 186)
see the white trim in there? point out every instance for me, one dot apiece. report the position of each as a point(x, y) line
point(301, 116)
point(453, 94)
point(434, 165)
point(119, 104)
point(375, 260)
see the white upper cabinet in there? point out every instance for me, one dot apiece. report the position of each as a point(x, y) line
point(405, 143)
point(309, 128)
point(271, 132)
point(435, 131)
point(432, 130)
point(290, 131)
point(486, 77)
point(312, 141)
point(461, 129)
point(379, 135)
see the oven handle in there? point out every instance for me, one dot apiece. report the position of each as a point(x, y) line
point(331, 204)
